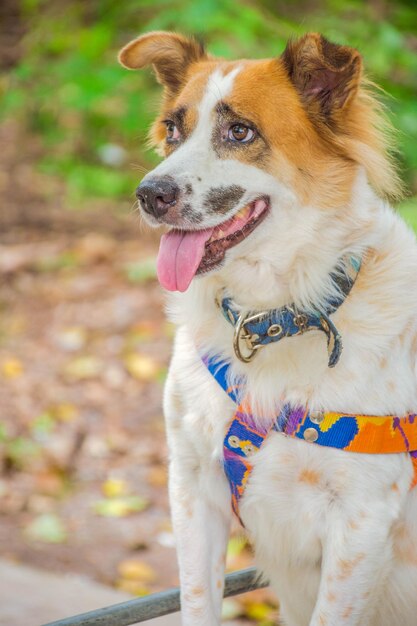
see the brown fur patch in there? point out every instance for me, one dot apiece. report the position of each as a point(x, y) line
point(346, 566)
point(414, 345)
point(325, 75)
point(339, 101)
point(294, 150)
point(405, 550)
point(353, 525)
point(309, 476)
point(170, 54)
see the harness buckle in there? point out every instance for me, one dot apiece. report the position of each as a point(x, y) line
point(243, 336)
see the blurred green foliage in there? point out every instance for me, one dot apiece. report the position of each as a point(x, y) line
point(92, 115)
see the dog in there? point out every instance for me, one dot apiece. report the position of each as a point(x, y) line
point(293, 286)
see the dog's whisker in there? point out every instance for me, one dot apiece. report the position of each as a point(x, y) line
point(139, 168)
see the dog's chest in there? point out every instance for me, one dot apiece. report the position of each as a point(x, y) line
point(298, 491)
point(294, 488)
point(287, 499)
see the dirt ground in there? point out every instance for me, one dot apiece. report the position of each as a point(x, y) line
point(84, 348)
point(83, 351)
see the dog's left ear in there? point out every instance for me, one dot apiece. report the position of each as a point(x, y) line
point(326, 75)
point(170, 54)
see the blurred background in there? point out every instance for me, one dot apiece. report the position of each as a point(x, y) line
point(84, 345)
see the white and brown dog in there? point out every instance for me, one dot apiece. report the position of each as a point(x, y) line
point(276, 170)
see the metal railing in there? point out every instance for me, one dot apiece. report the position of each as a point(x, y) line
point(157, 604)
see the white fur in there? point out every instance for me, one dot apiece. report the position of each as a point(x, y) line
point(339, 550)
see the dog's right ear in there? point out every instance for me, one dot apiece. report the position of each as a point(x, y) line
point(170, 55)
point(326, 75)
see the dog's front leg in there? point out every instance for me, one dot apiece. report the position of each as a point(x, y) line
point(356, 556)
point(201, 514)
point(201, 532)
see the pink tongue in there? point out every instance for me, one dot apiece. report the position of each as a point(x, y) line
point(180, 254)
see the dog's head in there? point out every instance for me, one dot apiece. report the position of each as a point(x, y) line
point(248, 144)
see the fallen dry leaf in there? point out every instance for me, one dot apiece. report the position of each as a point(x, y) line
point(48, 528)
point(133, 587)
point(114, 487)
point(135, 569)
point(121, 506)
point(65, 412)
point(71, 339)
point(260, 612)
point(50, 482)
point(83, 367)
point(158, 476)
point(11, 368)
point(142, 367)
point(95, 247)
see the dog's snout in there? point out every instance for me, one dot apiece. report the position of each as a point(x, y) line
point(156, 196)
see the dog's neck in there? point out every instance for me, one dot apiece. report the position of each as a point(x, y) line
point(296, 369)
point(289, 261)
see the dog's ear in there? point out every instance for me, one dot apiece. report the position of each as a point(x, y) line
point(170, 54)
point(326, 75)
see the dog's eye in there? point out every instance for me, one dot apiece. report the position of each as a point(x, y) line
point(240, 133)
point(173, 134)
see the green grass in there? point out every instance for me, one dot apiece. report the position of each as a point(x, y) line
point(408, 210)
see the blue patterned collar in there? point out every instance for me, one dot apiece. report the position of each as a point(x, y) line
point(258, 329)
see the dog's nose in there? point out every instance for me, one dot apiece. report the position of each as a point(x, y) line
point(156, 196)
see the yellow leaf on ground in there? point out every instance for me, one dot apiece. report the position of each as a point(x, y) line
point(65, 412)
point(134, 569)
point(237, 554)
point(114, 487)
point(121, 506)
point(84, 367)
point(132, 586)
point(157, 476)
point(12, 368)
point(259, 611)
point(142, 367)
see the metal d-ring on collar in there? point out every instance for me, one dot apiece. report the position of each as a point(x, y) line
point(255, 330)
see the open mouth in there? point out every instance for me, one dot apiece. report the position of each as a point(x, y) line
point(185, 253)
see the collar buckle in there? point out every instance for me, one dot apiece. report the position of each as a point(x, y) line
point(301, 321)
point(242, 337)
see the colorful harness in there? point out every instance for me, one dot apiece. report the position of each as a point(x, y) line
point(368, 434)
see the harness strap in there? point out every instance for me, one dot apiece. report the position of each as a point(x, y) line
point(368, 434)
